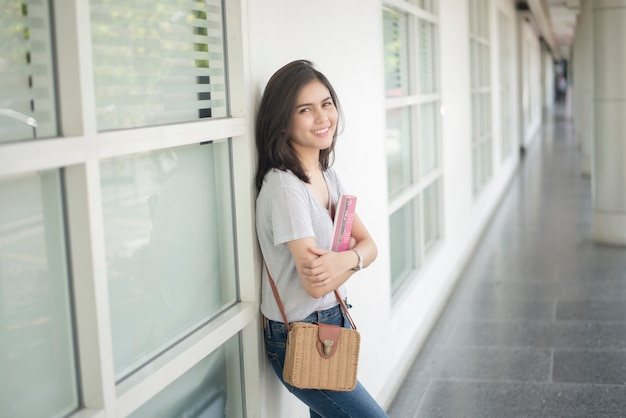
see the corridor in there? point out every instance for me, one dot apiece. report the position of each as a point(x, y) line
point(537, 324)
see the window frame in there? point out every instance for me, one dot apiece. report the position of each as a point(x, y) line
point(505, 65)
point(413, 195)
point(480, 53)
point(77, 151)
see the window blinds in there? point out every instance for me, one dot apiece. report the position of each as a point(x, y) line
point(157, 62)
point(27, 99)
point(396, 52)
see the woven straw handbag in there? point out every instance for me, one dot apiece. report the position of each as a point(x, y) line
point(320, 356)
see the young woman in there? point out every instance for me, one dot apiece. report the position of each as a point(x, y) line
point(296, 132)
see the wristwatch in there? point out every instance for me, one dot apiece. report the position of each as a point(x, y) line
point(359, 265)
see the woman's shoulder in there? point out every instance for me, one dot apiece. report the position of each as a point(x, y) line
point(276, 180)
point(276, 177)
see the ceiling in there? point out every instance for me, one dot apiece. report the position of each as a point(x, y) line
point(555, 20)
point(562, 16)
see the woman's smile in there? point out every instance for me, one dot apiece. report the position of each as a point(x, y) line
point(322, 131)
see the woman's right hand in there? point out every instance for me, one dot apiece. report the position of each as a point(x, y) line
point(321, 271)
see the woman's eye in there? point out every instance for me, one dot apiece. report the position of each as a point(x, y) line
point(326, 104)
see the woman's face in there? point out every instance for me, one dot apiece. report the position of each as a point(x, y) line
point(314, 120)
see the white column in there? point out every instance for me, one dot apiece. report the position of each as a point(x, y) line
point(575, 74)
point(585, 120)
point(609, 152)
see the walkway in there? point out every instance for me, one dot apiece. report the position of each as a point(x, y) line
point(537, 324)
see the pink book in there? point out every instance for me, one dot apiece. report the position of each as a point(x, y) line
point(344, 214)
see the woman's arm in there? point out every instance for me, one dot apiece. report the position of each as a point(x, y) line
point(322, 271)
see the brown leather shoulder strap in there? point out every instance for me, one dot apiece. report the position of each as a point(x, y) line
point(282, 309)
point(277, 297)
point(345, 309)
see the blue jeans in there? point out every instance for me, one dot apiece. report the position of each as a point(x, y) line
point(357, 403)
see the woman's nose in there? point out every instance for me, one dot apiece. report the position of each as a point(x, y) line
point(320, 115)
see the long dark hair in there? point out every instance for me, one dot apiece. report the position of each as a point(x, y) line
point(275, 117)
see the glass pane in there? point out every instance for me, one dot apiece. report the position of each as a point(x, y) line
point(429, 5)
point(488, 159)
point(483, 16)
point(427, 57)
point(402, 248)
point(505, 85)
point(395, 53)
point(484, 163)
point(428, 137)
point(211, 389)
point(482, 107)
point(488, 113)
point(157, 63)
point(38, 370)
point(475, 114)
point(476, 168)
point(28, 102)
point(431, 215)
point(484, 65)
point(398, 148)
point(506, 131)
point(473, 70)
point(170, 247)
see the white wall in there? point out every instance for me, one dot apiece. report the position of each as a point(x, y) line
point(344, 40)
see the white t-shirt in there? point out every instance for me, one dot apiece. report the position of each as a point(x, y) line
point(285, 211)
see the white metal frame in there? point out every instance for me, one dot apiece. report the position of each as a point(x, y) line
point(78, 151)
point(414, 194)
point(479, 10)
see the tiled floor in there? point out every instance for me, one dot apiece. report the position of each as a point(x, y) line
point(537, 324)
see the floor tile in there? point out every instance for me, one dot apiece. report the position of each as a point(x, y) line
point(540, 334)
point(591, 310)
point(502, 309)
point(486, 363)
point(606, 367)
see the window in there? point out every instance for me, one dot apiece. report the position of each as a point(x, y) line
point(396, 54)
point(403, 247)
point(36, 337)
point(158, 64)
point(506, 85)
point(412, 136)
point(398, 147)
point(428, 5)
point(170, 247)
point(481, 94)
point(120, 246)
point(209, 389)
point(27, 103)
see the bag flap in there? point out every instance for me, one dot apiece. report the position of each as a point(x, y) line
point(328, 339)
